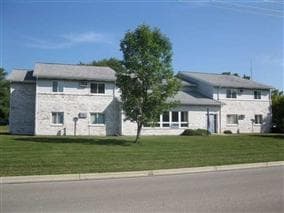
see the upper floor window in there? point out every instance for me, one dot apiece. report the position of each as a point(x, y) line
point(232, 119)
point(98, 88)
point(258, 119)
point(57, 117)
point(97, 118)
point(231, 93)
point(57, 87)
point(257, 94)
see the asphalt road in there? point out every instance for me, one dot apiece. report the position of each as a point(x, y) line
point(251, 190)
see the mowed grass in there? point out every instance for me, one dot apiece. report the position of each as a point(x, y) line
point(3, 129)
point(28, 155)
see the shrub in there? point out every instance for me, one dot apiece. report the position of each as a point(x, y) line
point(193, 132)
point(227, 132)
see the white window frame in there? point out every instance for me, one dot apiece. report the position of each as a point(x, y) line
point(183, 122)
point(60, 86)
point(232, 124)
point(97, 83)
point(231, 93)
point(170, 123)
point(57, 123)
point(96, 114)
point(257, 94)
point(175, 124)
point(256, 120)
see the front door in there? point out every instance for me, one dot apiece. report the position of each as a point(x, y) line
point(212, 123)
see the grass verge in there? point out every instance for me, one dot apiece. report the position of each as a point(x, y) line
point(27, 155)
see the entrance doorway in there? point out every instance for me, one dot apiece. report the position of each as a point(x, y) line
point(212, 124)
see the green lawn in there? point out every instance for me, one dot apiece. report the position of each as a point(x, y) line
point(27, 155)
point(3, 129)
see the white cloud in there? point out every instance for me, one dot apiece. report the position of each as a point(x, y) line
point(67, 40)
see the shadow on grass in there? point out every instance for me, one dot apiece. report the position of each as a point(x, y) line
point(85, 141)
point(276, 136)
point(5, 133)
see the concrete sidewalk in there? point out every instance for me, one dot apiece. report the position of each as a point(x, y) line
point(145, 173)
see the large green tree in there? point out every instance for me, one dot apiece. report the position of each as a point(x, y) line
point(147, 79)
point(278, 110)
point(4, 96)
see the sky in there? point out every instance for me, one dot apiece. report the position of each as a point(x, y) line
point(206, 36)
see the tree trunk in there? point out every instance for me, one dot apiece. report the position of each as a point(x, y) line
point(139, 127)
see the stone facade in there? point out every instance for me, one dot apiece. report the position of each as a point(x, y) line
point(72, 101)
point(245, 105)
point(22, 108)
point(249, 109)
point(197, 118)
point(32, 105)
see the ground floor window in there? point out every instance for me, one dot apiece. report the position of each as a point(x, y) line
point(97, 118)
point(232, 119)
point(258, 119)
point(166, 119)
point(174, 119)
point(57, 117)
point(184, 119)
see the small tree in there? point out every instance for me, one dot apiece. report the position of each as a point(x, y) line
point(147, 80)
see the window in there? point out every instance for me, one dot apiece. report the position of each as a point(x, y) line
point(97, 88)
point(57, 87)
point(232, 119)
point(174, 119)
point(57, 117)
point(184, 119)
point(166, 119)
point(257, 94)
point(231, 93)
point(97, 118)
point(258, 119)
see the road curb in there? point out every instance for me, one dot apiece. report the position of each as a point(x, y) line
point(145, 173)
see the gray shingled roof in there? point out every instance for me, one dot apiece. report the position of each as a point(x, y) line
point(76, 72)
point(187, 84)
point(223, 80)
point(192, 97)
point(21, 75)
